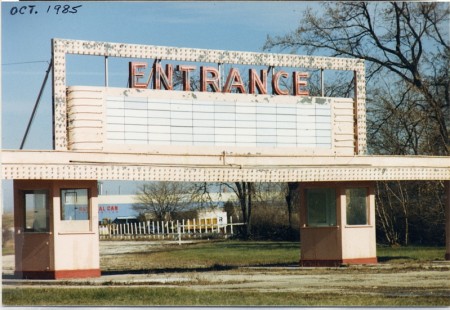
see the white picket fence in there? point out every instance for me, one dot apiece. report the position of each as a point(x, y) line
point(195, 228)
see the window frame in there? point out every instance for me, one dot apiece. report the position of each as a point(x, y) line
point(367, 206)
point(47, 211)
point(331, 221)
point(62, 198)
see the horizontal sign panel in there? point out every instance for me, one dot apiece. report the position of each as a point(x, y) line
point(223, 123)
point(131, 119)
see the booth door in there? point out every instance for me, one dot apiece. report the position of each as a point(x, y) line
point(33, 237)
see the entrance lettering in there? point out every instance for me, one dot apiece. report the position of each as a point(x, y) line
point(159, 78)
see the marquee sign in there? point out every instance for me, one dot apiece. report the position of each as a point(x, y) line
point(210, 79)
point(221, 113)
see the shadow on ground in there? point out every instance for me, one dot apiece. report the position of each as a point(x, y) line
point(168, 270)
point(216, 267)
point(387, 259)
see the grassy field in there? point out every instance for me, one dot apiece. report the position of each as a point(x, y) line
point(234, 257)
point(222, 254)
point(399, 255)
point(138, 296)
point(212, 255)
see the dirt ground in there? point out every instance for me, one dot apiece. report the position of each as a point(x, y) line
point(424, 279)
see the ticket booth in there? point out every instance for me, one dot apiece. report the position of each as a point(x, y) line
point(56, 229)
point(337, 223)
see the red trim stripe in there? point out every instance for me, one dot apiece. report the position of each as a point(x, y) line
point(58, 274)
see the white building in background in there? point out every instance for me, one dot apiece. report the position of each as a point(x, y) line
point(113, 206)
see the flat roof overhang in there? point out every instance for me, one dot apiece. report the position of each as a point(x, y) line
point(218, 167)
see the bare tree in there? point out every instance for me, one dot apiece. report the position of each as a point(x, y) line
point(386, 215)
point(398, 125)
point(163, 199)
point(393, 207)
point(201, 195)
point(245, 193)
point(266, 201)
point(406, 46)
point(410, 40)
point(292, 199)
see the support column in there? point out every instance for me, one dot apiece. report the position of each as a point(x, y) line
point(447, 219)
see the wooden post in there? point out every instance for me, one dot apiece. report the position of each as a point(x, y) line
point(183, 226)
point(231, 225)
point(447, 219)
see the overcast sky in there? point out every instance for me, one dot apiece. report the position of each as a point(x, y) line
point(26, 49)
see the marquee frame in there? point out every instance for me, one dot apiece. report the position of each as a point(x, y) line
point(62, 47)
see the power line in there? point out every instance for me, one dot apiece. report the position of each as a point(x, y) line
point(24, 62)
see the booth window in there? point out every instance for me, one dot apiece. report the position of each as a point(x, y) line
point(36, 211)
point(357, 206)
point(321, 206)
point(74, 204)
